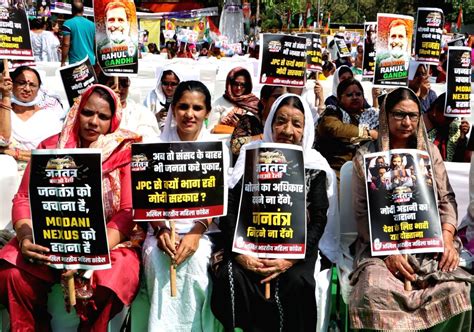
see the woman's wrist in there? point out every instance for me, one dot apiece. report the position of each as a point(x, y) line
point(23, 238)
point(202, 225)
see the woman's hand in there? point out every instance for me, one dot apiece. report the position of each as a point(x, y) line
point(6, 86)
point(318, 94)
point(464, 128)
point(274, 267)
point(450, 258)
point(33, 253)
point(187, 247)
point(164, 242)
point(249, 263)
point(399, 266)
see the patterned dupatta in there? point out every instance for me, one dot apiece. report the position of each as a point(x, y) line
point(115, 147)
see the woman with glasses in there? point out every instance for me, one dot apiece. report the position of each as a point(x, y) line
point(28, 115)
point(440, 299)
point(159, 99)
point(237, 100)
point(341, 128)
point(135, 117)
point(418, 76)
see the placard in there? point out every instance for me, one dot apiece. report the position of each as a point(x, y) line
point(282, 60)
point(76, 78)
point(66, 207)
point(458, 80)
point(314, 61)
point(179, 180)
point(15, 32)
point(272, 214)
point(394, 33)
point(401, 202)
point(429, 32)
point(368, 62)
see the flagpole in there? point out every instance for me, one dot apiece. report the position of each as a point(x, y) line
point(319, 8)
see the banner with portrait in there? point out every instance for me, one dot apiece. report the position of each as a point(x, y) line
point(179, 180)
point(394, 34)
point(272, 214)
point(428, 36)
point(66, 207)
point(116, 37)
point(76, 78)
point(314, 61)
point(282, 60)
point(15, 31)
point(458, 81)
point(370, 37)
point(402, 204)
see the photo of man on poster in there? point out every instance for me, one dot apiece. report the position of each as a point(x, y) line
point(117, 27)
point(397, 39)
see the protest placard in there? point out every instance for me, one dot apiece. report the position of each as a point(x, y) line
point(402, 205)
point(368, 62)
point(272, 213)
point(66, 207)
point(342, 48)
point(180, 180)
point(429, 32)
point(394, 34)
point(282, 60)
point(15, 31)
point(314, 61)
point(458, 80)
point(77, 78)
point(116, 37)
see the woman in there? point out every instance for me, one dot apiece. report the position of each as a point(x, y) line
point(190, 309)
point(92, 122)
point(33, 115)
point(440, 298)
point(52, 42)
point(250, 126)
point(159, 99)
point(340, 128)
point(237, 100)
point(342, 73)
point(38, 41)
point(238, 299)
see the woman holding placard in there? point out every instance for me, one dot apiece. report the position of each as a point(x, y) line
point(191, 250)
point(93, 122)
point(440, 297)
point(238, 298)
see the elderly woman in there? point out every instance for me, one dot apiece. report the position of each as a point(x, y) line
point(190, 309)
point(237, 100)
point(340, 128)
point(29, 115)
point(159, 99)
point(440, 298)
point(92, 122)
point(238, 296)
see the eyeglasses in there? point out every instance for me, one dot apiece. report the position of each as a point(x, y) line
point(353, 94)
point(169, 83)
point(239, 84)
point(397, 115)
point(24, 84)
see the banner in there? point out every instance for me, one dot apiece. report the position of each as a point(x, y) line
point(342, 48)
point(15, 31)
point(314, 61)
point(368, 62)
point(66, 207)
point(272, 212)
point(153, 28)
point(77, 78)
point(401, 201)
point(178, 180)
point(282, 60)
point(196, 25)
point(429, 32)
point(116, 37)
point(458, 80)
point(394, 33)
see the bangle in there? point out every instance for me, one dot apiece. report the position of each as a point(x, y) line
point(20, 242)
point(206, 226)
point(17, 154)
